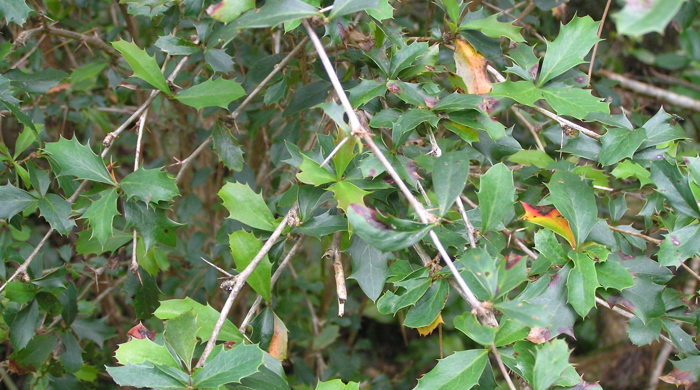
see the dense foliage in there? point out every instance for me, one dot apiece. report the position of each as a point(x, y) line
point(350, 193)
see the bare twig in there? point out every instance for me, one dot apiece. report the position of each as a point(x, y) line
point(335, 150)
point(240, 280)
point(134, 267)
point(502, 367)
point(468, 225)
point(185, 163)
point(529, 127)
point(659, 364)
point(635, 234)
point(275, 276)
point(656, 92)
point(339, 272)
point(7, 380)
point(91, 39)
point(595, 47)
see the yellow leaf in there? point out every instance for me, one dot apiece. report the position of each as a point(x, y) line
point(471, 67)
point(426, 330)
point(550, 218)
point(278, 343)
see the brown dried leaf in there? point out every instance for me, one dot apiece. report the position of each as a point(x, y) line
point(471, 67)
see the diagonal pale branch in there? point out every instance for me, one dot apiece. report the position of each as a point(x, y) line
point(185, 163)
point(134, 267)
point(484, 314)
point(645, 89)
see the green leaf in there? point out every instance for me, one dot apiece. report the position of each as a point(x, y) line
point(523, 92)
point(85, 77)
point(13, 200)
point(384, 233)
point(144, 375)
point(551, 360)
point(228, 10)
point(275, 12)
point(144, 66)
point(428, 307)
point(618, 144)
point(346, 193)
point(337, 384)
point(640, 333)
point(575, 200)
point(152, 223)
point(411, 291)
point(206, 318)
point(627, 169)
point(345, 7)
point(177, 46)
point(461, 370)
point(230, 153)
point(537, 158)
point(246, 206)
point(405, 56)
point(150, 185)
point(491, 27)
point(35, 353)
point(456, 102)
point(575, 102)
point(369, 267)
point(470, 326)
point(313, 173)
point(450, 173)
point(75, 159)
point(244, 247)
point(574, 41)
point(481, 121)
point(639, 18)
point(480, 273)
point(15, 11)
point(101, 213)
point(409, 121)
point(611, 274)
point(24, 325)
point(137, 351)
point(496, 196)
point(581, 284)
point(661, 128)
point(679, 245)
point(211, 93)
point(180, 334)
point(89, 245)
point(674, 187)
point(693, 164)
point(56, 211)
point(229, 366)
point(365, 91)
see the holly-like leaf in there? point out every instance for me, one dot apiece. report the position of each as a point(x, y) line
point(230, 153)
point(13, 200)
point(496, 196)
point(337, 384)
point(574, 41)
point(551, 360)
point(244, 247)
point(366, 91)
point(627, 169)
point(144, 375)
point(211, 93)
point(384, 233)
point(75, 159)
point(679, 245)
point(550, 218)
point(15, 11)
point(176, 46)
point(523, 92)
point(206, 318)
point(537, 158)
point(152, 223)
point(144, 66)
point(275, 12)
point(471, 67)
point(346, 193)
point(674, 187)
point(409, 121)
point(56, 211)
point(101, 213)
point(180, 334)
point(313, 173)
point(228, 10)
point(470, 326)
point(575, 102)
point(229, 366)
point(619, 144)
point(641, 17)
point(450, 173)
point(461, 370)
point(575, 200)
point(345, 7)
point(581, 284)
point(491, 27)
point(428, 307)
point(138, 351)
point(150, 185)
point(246, 206)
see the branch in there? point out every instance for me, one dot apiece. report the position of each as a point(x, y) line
point(273, 280)
point(339, 272)
point(655, 92)
point(237, 112)
point(94, 40)
point(484, 314)
point(240, 280)
point(595, 47)
point(134, 267)
point(502, 367)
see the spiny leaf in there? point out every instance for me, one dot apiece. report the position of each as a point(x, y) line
point(144, 66)
point(550, 218)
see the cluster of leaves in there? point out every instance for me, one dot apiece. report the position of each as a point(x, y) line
point(621, 190)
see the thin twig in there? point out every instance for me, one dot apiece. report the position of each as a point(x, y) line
point(339, 272)
point(94, 40)
point(529, 126)
point(595, 47)
point(216, 267)
point(659, 364)
point(275, 276)
point(185, 163)
point(467, 224)
point(134, 267)
point(335, 150)
point(656, 92)
point(635, 234)
point(240, 281)
point(502, 367)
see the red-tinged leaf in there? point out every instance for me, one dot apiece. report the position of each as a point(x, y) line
point(471, 67)
point(550, 218)
point(141, 332)
point(278, 342)
point(426, 330)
